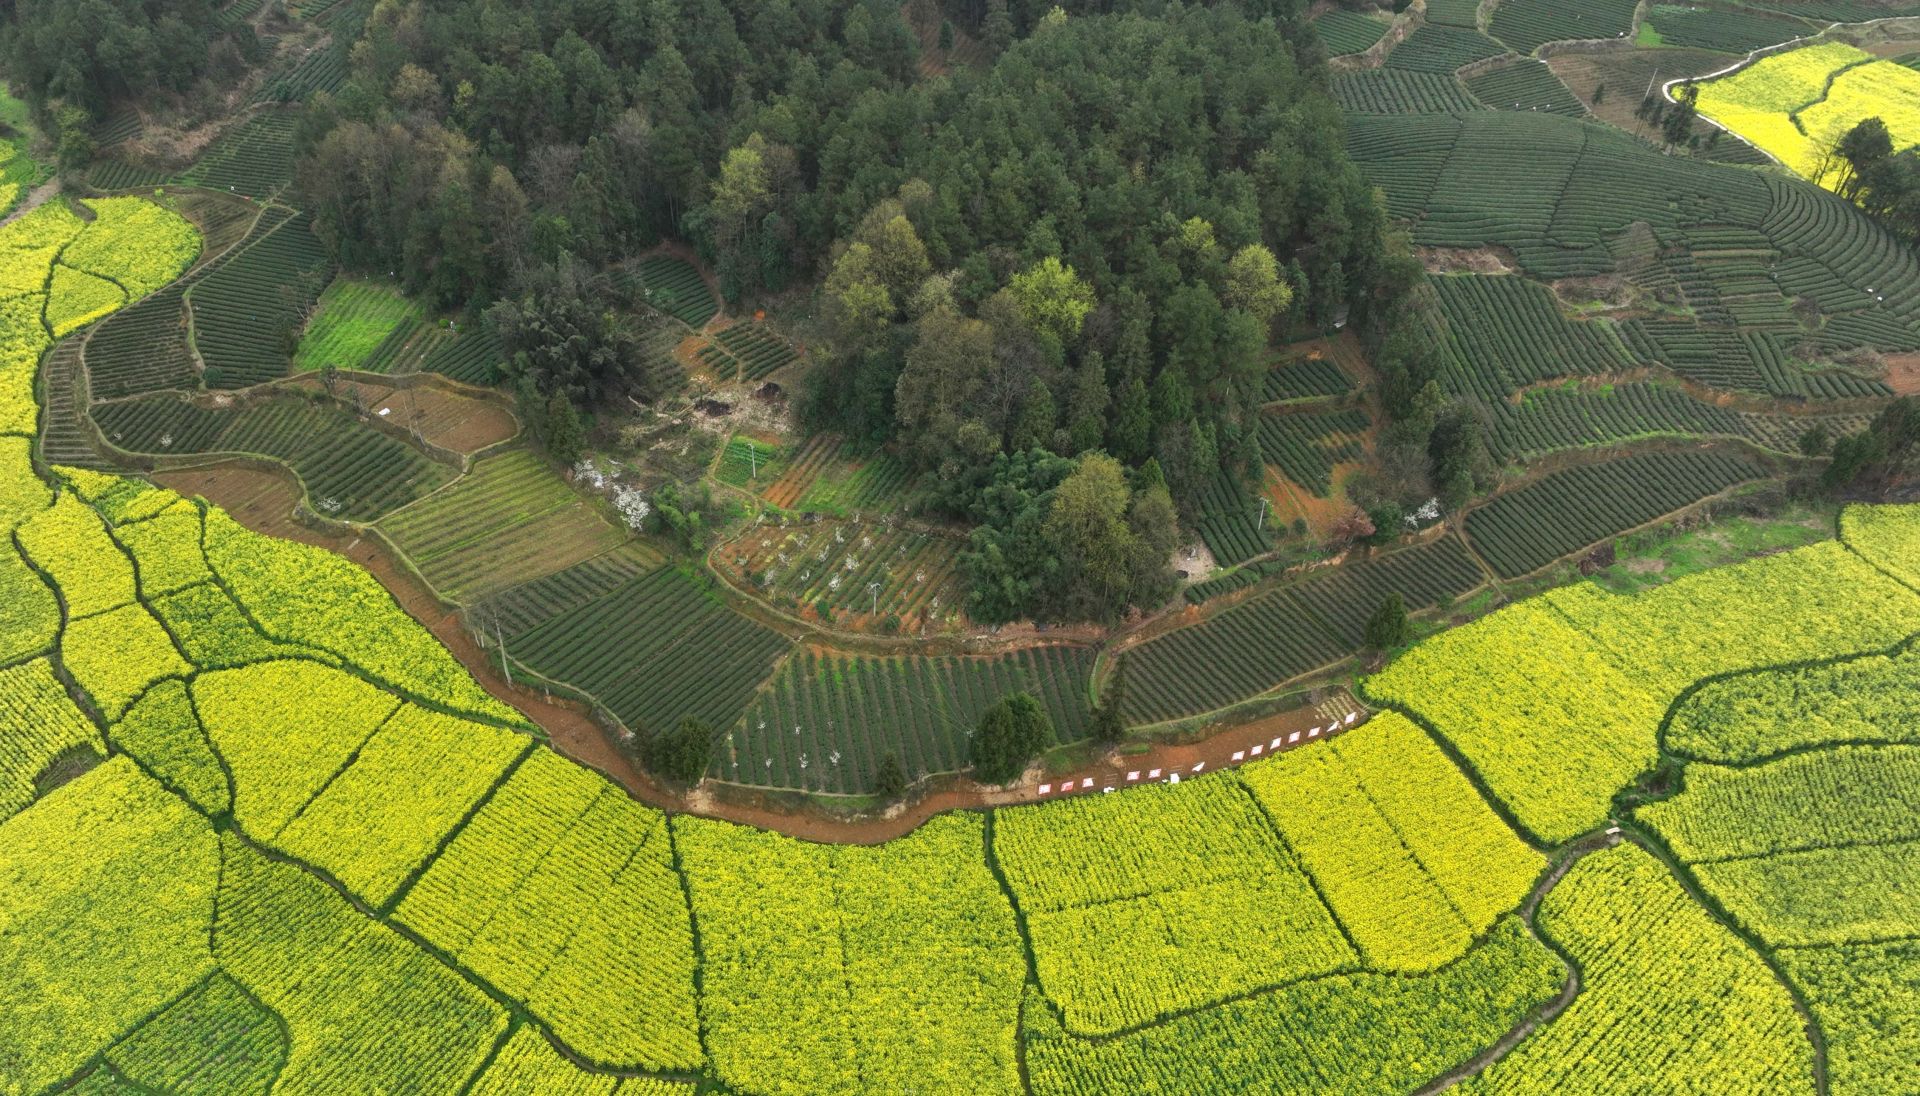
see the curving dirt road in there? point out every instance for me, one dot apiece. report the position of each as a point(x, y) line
point(264, 502)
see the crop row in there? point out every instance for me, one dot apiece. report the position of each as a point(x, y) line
point(1229, 521)
point(352, 318)
point(246, 310)
point(1552, 419)
point(758, 351)
point(41, 724)
point(826, 721)
point(471, 356)
point(519, 610)
point(1728, 31)
point(1526, 25)
point(1439, 50)
point(1306, 445)
point(254, 159)
point(1304, 379)
point(1523, 530)
point(144, 349)
point(1506, 332)
point(1398, 91)
point(655, 651)
point(510, 519)
point(1345, 32)
point(1525, 85)
point(1256, 646)
point(351, 470)
point(674, 287)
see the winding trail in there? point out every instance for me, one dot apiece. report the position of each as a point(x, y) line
point(264, 502)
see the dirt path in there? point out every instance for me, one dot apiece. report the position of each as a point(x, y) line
point(1547, 1012)
point(264, 502)
point(35, 198)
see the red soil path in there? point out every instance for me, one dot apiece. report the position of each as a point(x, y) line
point(264, 502)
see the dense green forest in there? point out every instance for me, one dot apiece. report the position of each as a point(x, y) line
point(1084, 240)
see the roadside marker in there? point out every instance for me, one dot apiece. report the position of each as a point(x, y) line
point(1294, 737)
point(1256, 750)
point(1045, 788)
point(1275, 744)
point(1087, 783)
point(1351, 716)
point(1239, 755)
point(1153, 774)
point(1133, 776)
point(1198, 765)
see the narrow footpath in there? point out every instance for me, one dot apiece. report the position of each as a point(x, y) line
point(264, 502)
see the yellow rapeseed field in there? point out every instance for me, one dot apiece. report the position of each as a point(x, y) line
point(1794, 105)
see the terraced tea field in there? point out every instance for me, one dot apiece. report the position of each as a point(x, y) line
point(826, 720)
point(827, 476)
point(508, 521)
point(852, 574)
point(354, 318)
point(658, 649)
point(351, 470)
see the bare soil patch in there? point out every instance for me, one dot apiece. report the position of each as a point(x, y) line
point(1466, 260)
point(1903, 373)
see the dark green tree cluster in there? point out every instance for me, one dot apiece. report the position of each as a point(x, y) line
point(680, 755)
point(1867, 171)
point(1877, 457)
point(85, 55)
point(1011, 734)
point(1065, 539)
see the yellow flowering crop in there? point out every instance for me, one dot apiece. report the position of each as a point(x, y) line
point(366, 1010)
point(1887, 536)
point(76, 299)
point(106, 898)
point(69, 542)
point(163, 733)
point(1552, 726)
point(1820, 601)
point(852, 969)
point(371, 839)
point(1796, 104)
point(29, 616)
point(561, 891)
point(37, 723)
point(1880, 89)
point(134, 243)
point(280, 751)
point(1213, 901)
point(311, 597)
point(1666, 992)
point(167, 549)
point(115, 655)
point(529, 1066)
point(1411, 858)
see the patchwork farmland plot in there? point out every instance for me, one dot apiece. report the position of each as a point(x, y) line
point(510, 520)
point(1305, 445)
point(748, 352)
point(1728, 31)
point(1454, 13)
point(1526, 25)
point(1505, 333)
point(519, 610)
point(1304, 379)
point(354, 318)
point(1346, 32)
point(749, 463)
point(654, 651)
point(826, 720)
point(254, 159)
point(674, 287)
point(1523, 530)
point(351, 470)
point(1229, 522)
point(1525, 85)
point(1547, 420)
point(145, 348)
point(473, 356)
point(1398, 91)
point(245, 309)
point(1439, 50)
point(862, 572)
point(1256, 646)
point(827, 476)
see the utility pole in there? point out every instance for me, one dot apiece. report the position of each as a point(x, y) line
point(502, 644)
point(875, 588)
